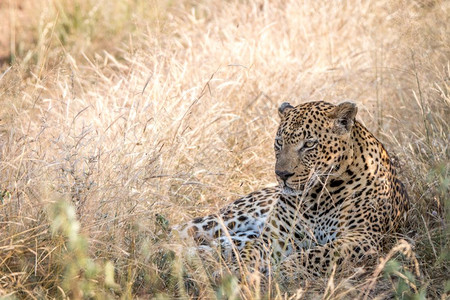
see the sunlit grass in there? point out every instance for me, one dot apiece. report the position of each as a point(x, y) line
point(119, 118)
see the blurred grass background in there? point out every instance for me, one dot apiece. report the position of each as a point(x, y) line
point(118, 117)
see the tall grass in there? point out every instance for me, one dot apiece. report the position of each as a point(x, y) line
point(121, 117)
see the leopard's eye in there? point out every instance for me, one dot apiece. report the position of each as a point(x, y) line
point(278, 143)
point(310, 144)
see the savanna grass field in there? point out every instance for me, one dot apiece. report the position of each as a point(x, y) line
point(119, 119)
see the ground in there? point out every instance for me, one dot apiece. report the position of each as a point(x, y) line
point(121, 118)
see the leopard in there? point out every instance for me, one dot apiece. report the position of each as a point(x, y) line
point(338, 196)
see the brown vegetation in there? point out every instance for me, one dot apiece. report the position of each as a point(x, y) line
point(118, 117)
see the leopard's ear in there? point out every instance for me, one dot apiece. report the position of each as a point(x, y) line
point(284, 108)
point(344, 117)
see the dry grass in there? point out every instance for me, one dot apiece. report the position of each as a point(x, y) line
point(120, 116)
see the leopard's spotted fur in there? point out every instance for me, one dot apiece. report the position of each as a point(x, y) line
point(338, 195)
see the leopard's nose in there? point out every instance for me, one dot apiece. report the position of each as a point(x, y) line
point(284, 175)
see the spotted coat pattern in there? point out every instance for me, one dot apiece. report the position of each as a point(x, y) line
point(338, 195)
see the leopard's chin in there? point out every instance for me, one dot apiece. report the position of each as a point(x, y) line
point(286, 190)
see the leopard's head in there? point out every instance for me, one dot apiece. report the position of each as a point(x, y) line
point(313, 144)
